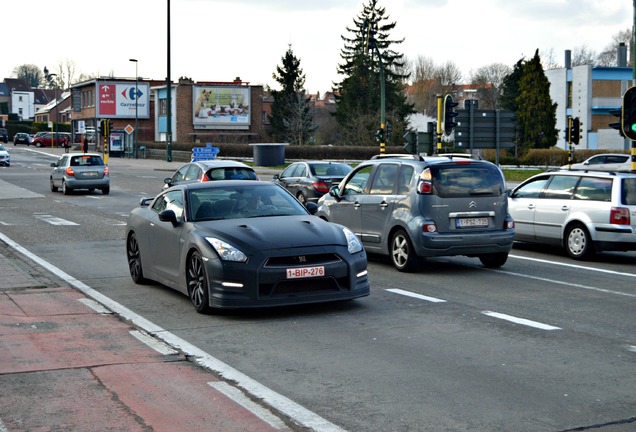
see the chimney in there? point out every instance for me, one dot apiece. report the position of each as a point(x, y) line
point(568, 59)
point(621, 55)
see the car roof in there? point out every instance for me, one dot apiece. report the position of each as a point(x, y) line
point(223, 183)
point(214, 163)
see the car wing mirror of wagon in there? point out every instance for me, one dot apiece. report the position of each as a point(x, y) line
point(334, 191)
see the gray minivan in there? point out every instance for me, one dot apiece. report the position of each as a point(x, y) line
point(416, 207)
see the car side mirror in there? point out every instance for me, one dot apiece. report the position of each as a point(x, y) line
point(168, 216)
point(168, 180)
point(276, 176)
point(334, 191)
point(54, 164)
point(311, 207)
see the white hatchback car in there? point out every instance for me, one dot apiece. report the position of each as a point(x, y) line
point(604, 162)
point(583, 211)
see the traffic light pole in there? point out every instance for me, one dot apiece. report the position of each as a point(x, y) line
point(440, 121)
point(370, 38)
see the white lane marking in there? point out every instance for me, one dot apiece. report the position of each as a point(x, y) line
point(521, 321)
point(291, 409)
point(415, 295)
point(4, 223)
point(239, 397)
point(569, 284)
point(54, 220)
point(157, 345)
point(576, 266)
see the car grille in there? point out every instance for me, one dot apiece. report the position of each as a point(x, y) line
point(295, 260)
point(293, 287)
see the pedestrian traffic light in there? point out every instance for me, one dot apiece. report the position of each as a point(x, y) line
point(449, 114)
point(575, 130)
point(629, 113)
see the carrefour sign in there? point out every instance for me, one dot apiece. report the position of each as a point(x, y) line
point(123, 100)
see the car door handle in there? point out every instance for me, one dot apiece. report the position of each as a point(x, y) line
point(384, 204)
point(564, 208)
point(356, 204)
point(531, 206)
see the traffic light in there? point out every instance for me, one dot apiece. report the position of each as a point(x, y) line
point(568, 131)
point(575, 130)
point(379, 135)
point(449, 114)
point(619, 124)
point(629, 113)
point(105, 127)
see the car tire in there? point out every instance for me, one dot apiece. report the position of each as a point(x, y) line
point(494, 260)
point(134, 259)
point(65, 189)
point(53, 187)
point(197, 281)
point(578, 242)
point(106, 190)
point(403, 255)
point(301, 198)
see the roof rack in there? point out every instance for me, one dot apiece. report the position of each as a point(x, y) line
point(397, 156)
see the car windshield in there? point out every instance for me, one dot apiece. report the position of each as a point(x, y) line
point(2, 147)
point(236, 202)
point(462, 180)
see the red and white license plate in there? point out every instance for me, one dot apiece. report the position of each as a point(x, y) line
point(305, 272)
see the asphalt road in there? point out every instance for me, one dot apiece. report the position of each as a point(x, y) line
point(542, 344)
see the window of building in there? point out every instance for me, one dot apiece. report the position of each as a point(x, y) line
point(163, 107)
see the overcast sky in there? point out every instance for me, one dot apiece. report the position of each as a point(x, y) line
point(216, 40)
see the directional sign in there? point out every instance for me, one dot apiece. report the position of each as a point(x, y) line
point(204, 153)
point(485, 129)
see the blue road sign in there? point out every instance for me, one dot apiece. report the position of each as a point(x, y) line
point(204, 153)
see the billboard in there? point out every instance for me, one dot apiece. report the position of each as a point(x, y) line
point(117, 100)
point(221, 107)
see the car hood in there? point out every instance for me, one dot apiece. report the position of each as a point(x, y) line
point(274, 232)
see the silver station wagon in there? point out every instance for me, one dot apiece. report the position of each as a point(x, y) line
point(584, 212)
point(410, 208)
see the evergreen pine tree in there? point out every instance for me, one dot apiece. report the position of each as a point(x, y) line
point(358, 94)
point(291, 118)
point(536, 113)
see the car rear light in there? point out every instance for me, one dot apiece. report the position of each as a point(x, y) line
point(509, 224)
point(425, 187)
point(70, 172)
point(619, 216)
point(429, 227)
point(106, 171)
point(204, 178)
point(321, 187)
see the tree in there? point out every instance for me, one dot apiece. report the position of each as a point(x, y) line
point(66, 73)
point(291, 118)
point(607, 57)
point(31, 73)
point(510, 91)
point(489, 81)
point(582, 55)
point(358, 111)
point(535, 114)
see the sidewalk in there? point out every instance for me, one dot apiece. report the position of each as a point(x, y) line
point(69, 364)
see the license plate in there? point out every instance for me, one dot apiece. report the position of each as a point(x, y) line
point(305, 272)
point(90, 174)
point(472, 222)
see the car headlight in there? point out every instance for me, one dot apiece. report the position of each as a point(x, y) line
point(353, 244)
point(226, 251)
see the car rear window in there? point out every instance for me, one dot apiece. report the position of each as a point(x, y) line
point(231, 174)
point(86, 160)
point(467, 180)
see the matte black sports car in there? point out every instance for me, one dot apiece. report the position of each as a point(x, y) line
point(243, 244)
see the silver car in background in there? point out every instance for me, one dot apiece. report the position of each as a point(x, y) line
point(583, 212)
point(75, 171)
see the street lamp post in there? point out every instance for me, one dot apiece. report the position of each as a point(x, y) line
point(136, 143)
point(54, 127)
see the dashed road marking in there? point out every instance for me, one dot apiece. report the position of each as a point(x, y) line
point(415, 295)
point(157, 345)
point(521, 321)
point(53, 220)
